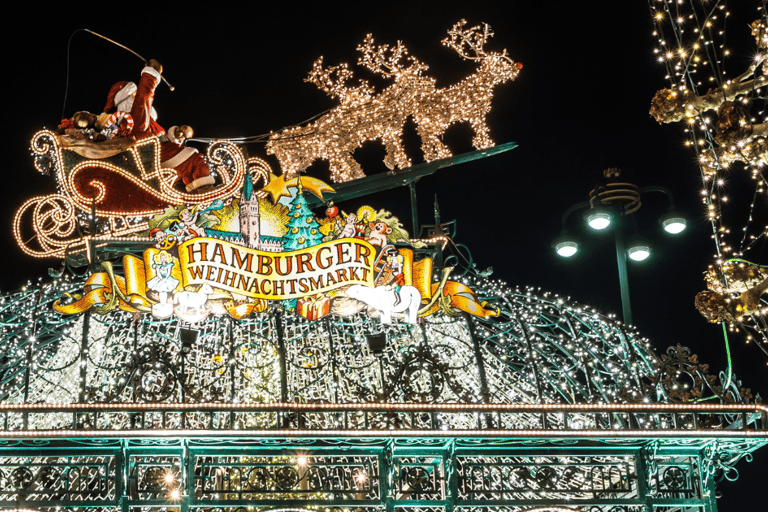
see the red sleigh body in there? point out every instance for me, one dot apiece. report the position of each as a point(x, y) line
point(119, 182)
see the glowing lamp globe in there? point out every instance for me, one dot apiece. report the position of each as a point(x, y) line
point(673, 223)
point(639, 251)
point(598, 218)
point(566, 247)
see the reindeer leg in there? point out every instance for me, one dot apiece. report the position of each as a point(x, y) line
point(345, 168)
point(396, 156)
point(431, 145)
point(355, 170)
point(440, 149)
point(482, 138)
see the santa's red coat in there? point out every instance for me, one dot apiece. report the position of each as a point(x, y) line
point(190, 165)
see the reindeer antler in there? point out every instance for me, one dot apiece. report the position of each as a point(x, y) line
point(332, 81)
point(388, 60)
point(474, 38)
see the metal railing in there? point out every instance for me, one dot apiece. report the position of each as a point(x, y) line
point(366, 419)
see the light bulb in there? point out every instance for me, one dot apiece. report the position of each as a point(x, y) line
point(598, 218)
point(567, 249)
point(639, 252)
point(673, 223)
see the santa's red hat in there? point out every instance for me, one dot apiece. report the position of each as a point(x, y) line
point(119, 92)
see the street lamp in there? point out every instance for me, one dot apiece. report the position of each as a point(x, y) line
point(639, 251)
point(610, 202)
point(598, 217)
point(566, 246)
point(672, 222)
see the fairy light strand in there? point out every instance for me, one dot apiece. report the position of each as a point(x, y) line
point(726, 125)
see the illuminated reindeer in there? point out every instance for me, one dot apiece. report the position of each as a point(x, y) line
point(469, 100)
point(363, 115)
point(360, 116)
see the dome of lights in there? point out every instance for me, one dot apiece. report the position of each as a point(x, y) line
point(540, 349)
point(545, 403)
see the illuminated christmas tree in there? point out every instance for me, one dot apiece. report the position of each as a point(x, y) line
point(303, 229)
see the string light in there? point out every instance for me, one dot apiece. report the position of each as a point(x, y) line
point(734, 140)
point(550, 367)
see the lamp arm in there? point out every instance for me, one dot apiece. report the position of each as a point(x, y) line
point(572, 209)
point(663, 190)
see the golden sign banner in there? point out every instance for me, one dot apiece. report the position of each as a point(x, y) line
point(318, 269)
point(107, 291)
point(276, 276)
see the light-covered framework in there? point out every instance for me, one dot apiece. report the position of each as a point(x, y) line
point(715, 56)
point(548, 405)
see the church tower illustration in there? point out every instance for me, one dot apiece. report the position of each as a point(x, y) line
point(250, 220)
point(249, 234)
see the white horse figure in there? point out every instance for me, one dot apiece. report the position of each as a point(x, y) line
point(193, 303)
point(383, 299)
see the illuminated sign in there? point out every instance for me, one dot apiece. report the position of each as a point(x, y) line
point(272, 276)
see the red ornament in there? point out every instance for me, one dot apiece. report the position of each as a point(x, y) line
point(519, 65)
point(332, 211)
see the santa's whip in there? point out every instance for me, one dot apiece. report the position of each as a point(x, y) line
point(126, 48)
point(66, 88)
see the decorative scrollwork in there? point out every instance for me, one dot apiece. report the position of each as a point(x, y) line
point(260, 172)
point(53, 222)
point(286, 478)
point(540, 348)
point(680, 377)
point(674, 478)
point(417, 479)
point(228, 164)
point(422, 380)
point(44, 147)
point(311, 357)
point(21, 478)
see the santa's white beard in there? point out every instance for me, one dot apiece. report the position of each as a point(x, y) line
point(127, 104)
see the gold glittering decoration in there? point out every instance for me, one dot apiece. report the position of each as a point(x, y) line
point(737, 137)
point(715, 307)
point(363, 115)
point(739, 277)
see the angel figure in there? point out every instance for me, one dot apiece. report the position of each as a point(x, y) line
point(163, 283)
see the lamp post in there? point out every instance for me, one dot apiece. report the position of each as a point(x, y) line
point(609, 205)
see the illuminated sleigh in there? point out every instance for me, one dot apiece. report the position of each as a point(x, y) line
point(109, 190)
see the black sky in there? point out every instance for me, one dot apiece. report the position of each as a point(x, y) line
point(580, 105)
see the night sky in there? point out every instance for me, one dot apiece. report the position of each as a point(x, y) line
point(580, 105)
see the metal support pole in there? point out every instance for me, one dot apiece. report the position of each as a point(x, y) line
point(621, 259)
point(122, 489)
point(84, 356)
point(451, 475)
point(93, 260)
point(186, 477)
point(282, 420)
point(386, 482)
point(414, 209)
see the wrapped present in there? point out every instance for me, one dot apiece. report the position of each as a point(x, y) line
point(313, 307)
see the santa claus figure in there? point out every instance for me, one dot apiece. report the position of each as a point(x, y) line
point(137, 101)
